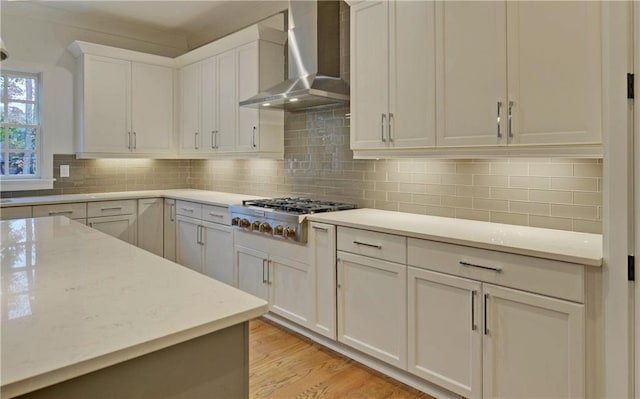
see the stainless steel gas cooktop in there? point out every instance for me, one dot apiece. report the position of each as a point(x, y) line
point(281, 217)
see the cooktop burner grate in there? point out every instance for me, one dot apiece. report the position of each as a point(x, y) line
point(298, 206)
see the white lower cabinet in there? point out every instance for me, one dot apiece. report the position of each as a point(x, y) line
point(290, 289)
point(322, 247)
point(170, 229)
point(534, 346)
point(116, 218)
point(121, 226)
point(251, 268)
point(444, 331)
point(205, 247)
point(151, 225)
point(483, 340)
point(372, 307)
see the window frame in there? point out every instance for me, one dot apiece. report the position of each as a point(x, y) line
point(46, 95)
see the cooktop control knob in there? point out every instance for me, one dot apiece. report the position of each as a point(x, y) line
point(265, 228)
point(278, 230)
point(235, 222)
point(244, 223)
point(290, 232)
point(255, 226)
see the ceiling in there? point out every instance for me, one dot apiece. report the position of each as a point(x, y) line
point(188, 18)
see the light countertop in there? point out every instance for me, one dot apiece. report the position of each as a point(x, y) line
point(202, 196)
point(567, 246)
point(75, 300)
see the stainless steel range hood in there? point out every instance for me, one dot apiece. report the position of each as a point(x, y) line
point(314, 61)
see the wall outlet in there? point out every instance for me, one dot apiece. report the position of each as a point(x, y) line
point(64, 170)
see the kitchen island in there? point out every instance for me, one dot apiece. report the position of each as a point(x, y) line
point(87, 315)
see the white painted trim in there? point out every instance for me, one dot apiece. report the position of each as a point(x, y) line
point(380, 366)
point(26, 184)
point(617, 309)
point(78, 48)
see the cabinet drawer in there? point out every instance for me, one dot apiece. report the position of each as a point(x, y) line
point(542, 276)
point(16, 212)
point(111, 208)
point(190, 209)
point(72, 211)
point(370, 243)
point(216, 214)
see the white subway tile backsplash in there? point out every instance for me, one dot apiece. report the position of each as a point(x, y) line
point(574, 183)
point(557, 197)
point(529, 182)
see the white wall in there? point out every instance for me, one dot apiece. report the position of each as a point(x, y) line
point(37, 38)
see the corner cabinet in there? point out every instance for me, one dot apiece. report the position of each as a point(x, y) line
point(236, 67)
point(485, 78)
point(392, 75)
point(124, 103)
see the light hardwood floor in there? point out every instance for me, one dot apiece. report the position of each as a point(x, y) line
point(286, 365)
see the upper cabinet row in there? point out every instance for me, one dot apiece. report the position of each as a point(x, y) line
point(130, 104)
point(475, 78)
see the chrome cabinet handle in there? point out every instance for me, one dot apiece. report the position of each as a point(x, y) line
point(338, 282)
point(202, 232)
point(135, 140)
point(187, 209)
point(254, 137)
point(498, 132)
point(91, 224)
point(216, 215)
point(495, 269)
point(486, 329)
point(390, 131)
point(269, 282)
point(111, 208)
point(195, 140)
point(129, 140)
point(474, 326)
point(509, 116)
point(172, 210)
point(60, 212)
point(264, 279)
point(197, 234)
point(382, 119)
point(320, 228)
point(379, 246)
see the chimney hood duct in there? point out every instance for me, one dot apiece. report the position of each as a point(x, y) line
point(314, 61)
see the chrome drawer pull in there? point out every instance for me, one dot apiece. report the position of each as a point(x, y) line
point(379, 246)
point(111, 208)
point(216, 215)
point(495, 269)
point(59, 212)
point(187, 209)
point(320, 228)
point(474, 326)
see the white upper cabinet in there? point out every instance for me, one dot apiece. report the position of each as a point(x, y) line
point(471, 67)
point(392, 75)
point(124, 103)
point(555, 72)
point(486, 78)
point(238, 67)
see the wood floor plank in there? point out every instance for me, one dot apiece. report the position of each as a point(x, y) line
point(286, 365)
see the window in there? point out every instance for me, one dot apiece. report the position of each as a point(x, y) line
point(19, 125)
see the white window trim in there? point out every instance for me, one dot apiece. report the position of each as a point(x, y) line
point(47, 96)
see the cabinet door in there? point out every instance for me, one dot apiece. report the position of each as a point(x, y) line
point(372, 307)
point(247, 138)
point(369, 74)
point(322, 243)
point(218, 252)
point(445, 338)
point(291, 289)
point(191, 90)
point(170, 229)
point(555, 71)
point(107, 105)
point(533, 346)
point(152, 108)
point(471, 72)
point(188, 247)
point(122, 227)
point(412, 75)
point(150, 225)
point(209, 104)
point(251, 271)
point(227, 101)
